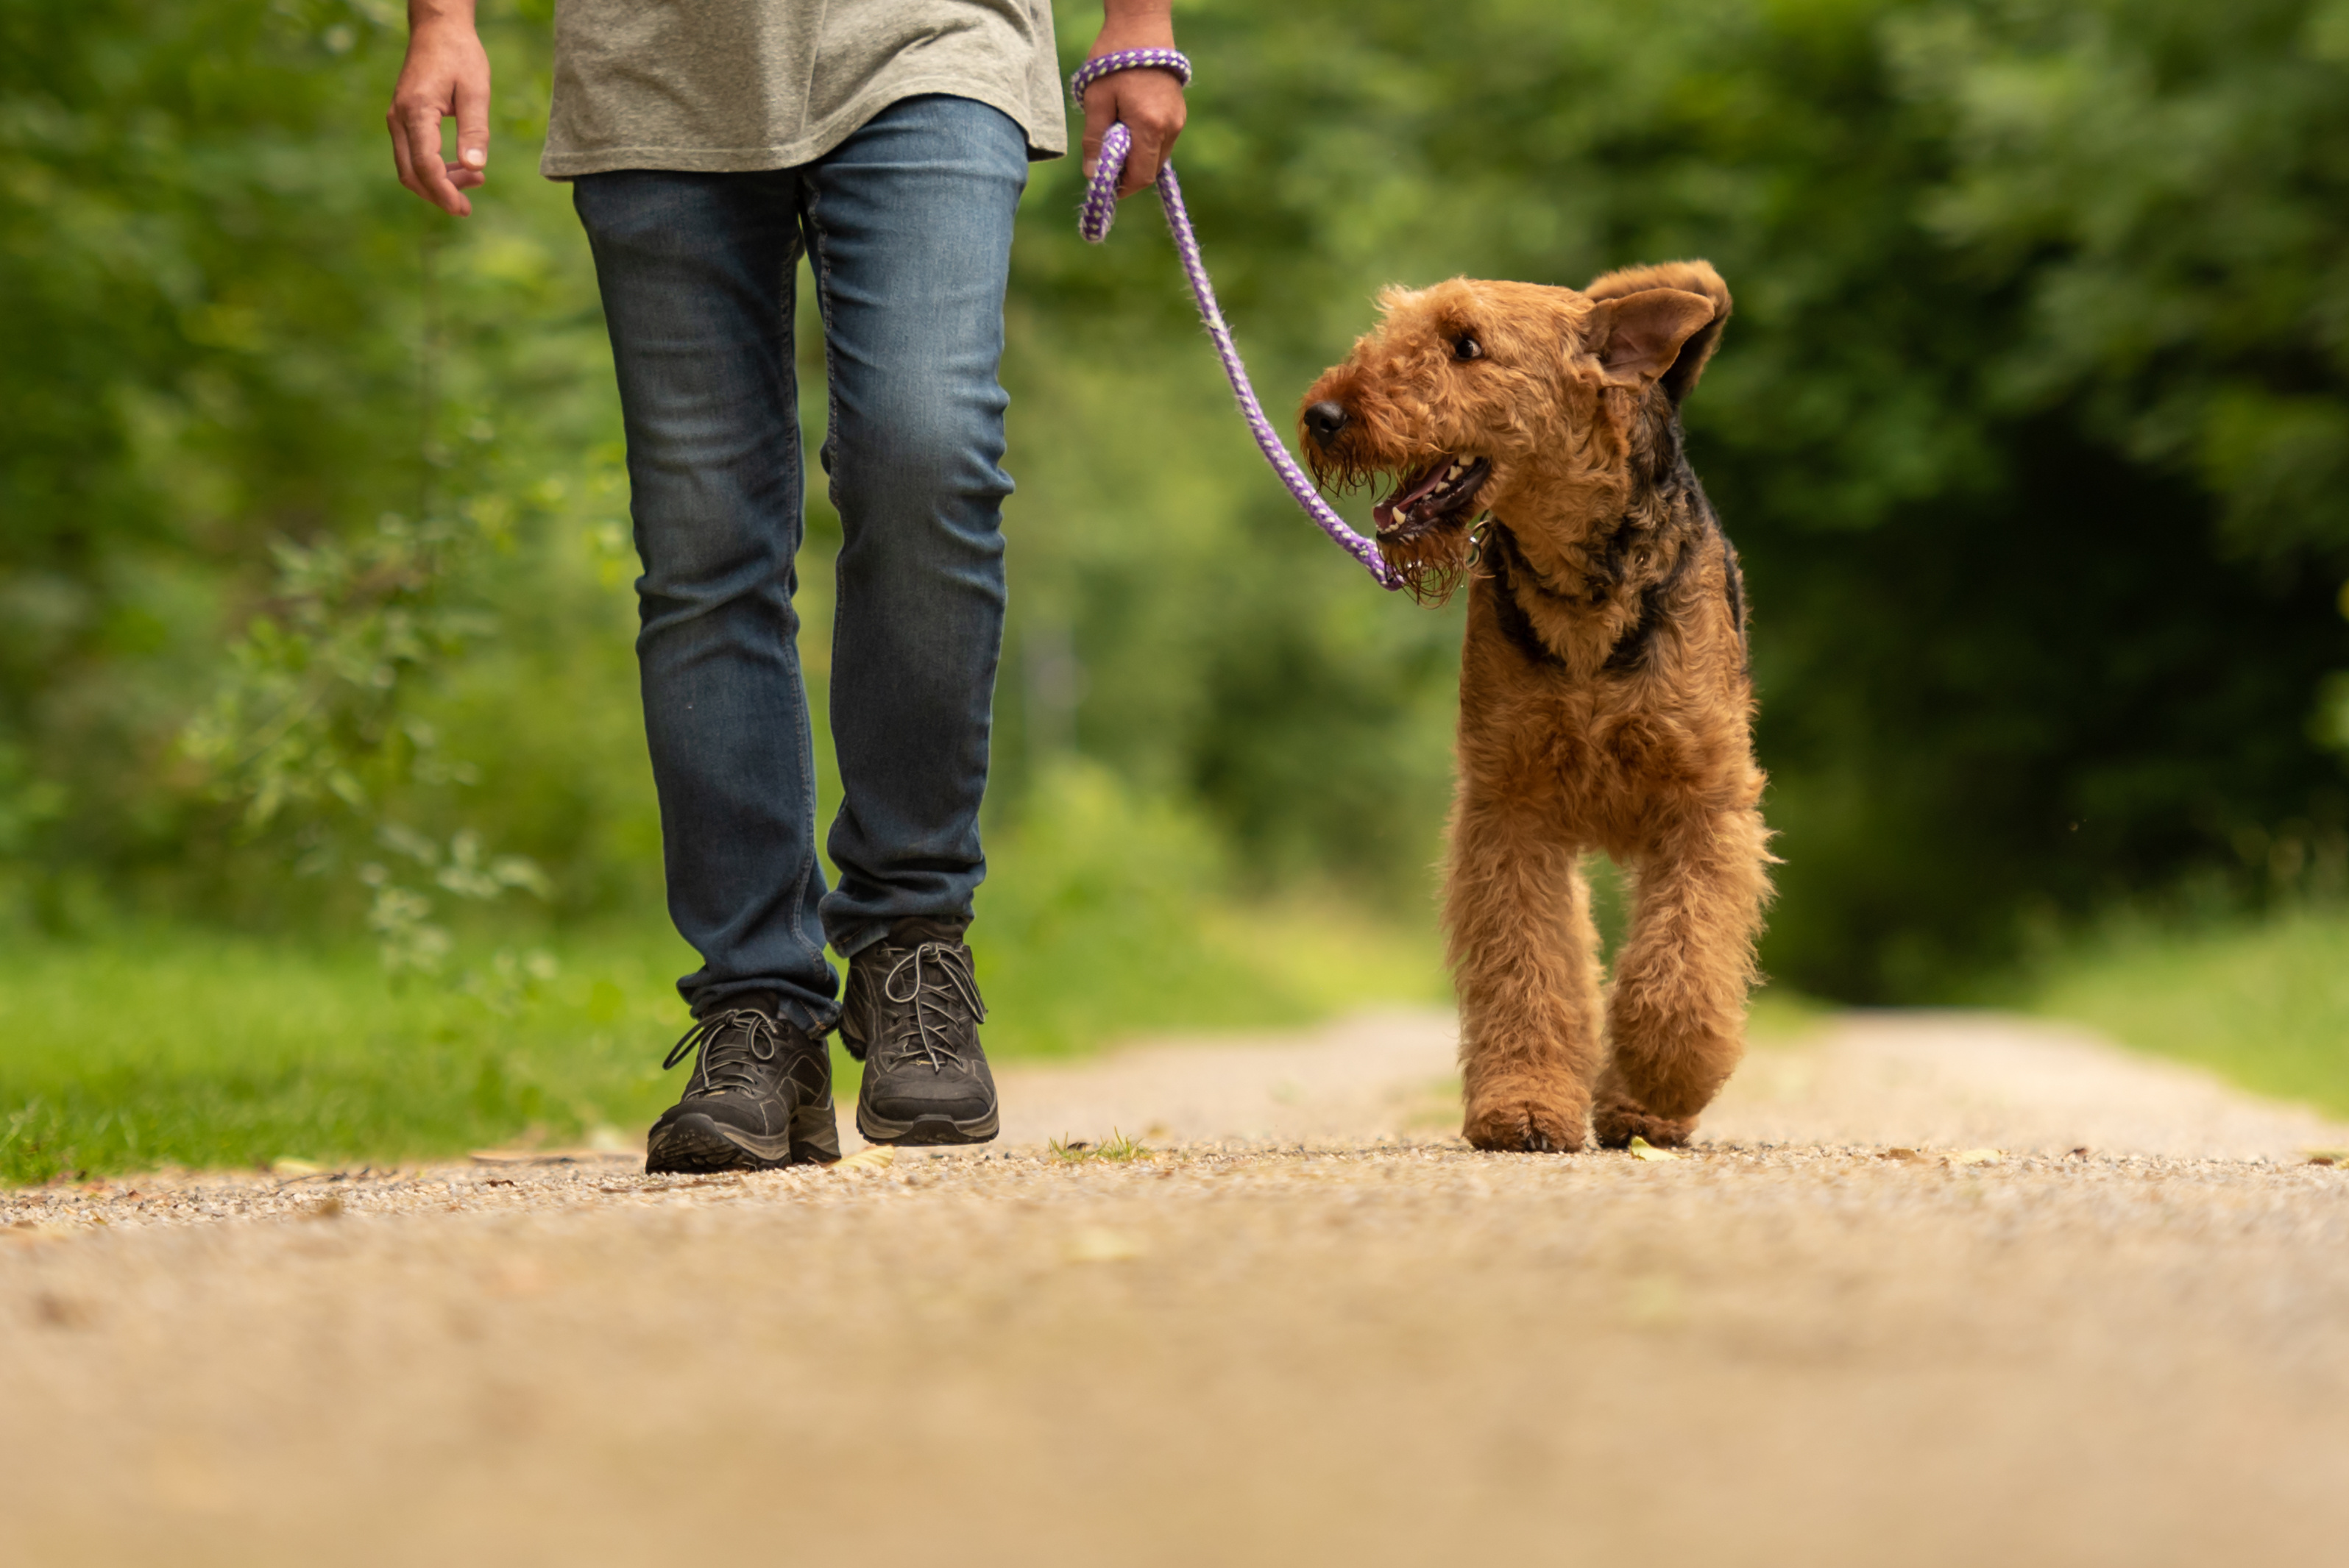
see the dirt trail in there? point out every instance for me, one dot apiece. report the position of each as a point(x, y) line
point(1311, 1327)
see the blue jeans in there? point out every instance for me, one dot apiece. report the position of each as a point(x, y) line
point(907, 226)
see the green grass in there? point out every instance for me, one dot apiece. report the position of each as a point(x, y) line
point(174, 1046)
point(2265, 1004)
point(1116, 1149)
point(179, 1046)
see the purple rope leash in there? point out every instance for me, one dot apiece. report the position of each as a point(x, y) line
point(1094, 221)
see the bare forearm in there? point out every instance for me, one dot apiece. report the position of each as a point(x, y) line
point(1136, 24)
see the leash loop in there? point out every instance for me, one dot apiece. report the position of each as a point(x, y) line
point(1094, 221)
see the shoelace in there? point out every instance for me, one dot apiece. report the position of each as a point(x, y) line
point(728, 1066)
point(937, 977)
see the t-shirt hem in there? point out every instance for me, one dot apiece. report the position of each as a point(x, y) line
point(844, 124)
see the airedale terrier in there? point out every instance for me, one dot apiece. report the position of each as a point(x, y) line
point(1605, 700)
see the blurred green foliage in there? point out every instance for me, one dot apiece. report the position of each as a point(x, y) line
point(2266, 1005)
point(2029, 426)
point(268, 464)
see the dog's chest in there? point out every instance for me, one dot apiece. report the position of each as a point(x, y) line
point(1614, 751)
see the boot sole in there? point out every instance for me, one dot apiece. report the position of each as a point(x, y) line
point(695, 1143)
point(927, 1131)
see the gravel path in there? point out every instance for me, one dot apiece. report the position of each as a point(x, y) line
point(1936, 1289)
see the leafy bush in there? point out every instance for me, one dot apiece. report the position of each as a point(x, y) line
point(1105, 913)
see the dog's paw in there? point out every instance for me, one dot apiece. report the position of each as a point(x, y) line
point(1521, 1125)
point(1616, 1122)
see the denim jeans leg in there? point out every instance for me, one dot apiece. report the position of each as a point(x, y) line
point(909, 232)
point(696, 272)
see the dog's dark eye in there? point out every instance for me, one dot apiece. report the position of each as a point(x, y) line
point(1465, 347)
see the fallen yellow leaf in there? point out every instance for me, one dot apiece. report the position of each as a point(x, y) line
point(1976, 1157)
point(871, 1159)
point(1643, 1149)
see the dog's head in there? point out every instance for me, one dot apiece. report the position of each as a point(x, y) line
point(1474, 396)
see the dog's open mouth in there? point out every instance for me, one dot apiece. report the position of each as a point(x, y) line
point(1443, 494)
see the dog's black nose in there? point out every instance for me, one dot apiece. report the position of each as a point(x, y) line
point(1325, 419)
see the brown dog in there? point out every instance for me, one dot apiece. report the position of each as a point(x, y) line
point(1605, 702)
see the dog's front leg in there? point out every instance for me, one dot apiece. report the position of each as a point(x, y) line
point(1676, 1019)
point(1525, 958)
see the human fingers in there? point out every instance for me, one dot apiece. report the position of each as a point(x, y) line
point(415, 124)
point(1140, 167)
point(473, 118)
point(399, 158)
point(423, 127)
point(1150, 104)
point(1100, 113)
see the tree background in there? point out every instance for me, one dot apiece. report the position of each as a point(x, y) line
point(2032, 426)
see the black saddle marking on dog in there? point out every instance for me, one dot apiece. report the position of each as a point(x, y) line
point(1608, 569)
point(1611, 563)
point(1733, 584)
point(1508, 563)
point(1732, 575)
point(1666, 465)
point(1631, 649)
point(1683, 496)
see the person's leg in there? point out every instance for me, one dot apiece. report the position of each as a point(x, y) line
point(696, 272)
point(909, 234)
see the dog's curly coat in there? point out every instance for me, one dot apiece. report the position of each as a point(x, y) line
point(1605, 701)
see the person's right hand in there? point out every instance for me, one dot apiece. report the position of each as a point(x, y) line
point(447, 73)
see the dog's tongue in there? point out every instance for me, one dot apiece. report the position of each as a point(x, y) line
point(1403, 500)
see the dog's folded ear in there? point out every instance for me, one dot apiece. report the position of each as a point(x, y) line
point(1681, 369)
point(1640, 337)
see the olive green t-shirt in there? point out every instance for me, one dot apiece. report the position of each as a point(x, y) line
point(719, 85)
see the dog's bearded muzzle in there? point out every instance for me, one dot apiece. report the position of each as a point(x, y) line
point(1423, 524)
point(1440, 495)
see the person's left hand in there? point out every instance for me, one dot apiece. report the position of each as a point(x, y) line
point(1150, 102)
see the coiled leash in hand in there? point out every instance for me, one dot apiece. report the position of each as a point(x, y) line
point(1094, 221)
